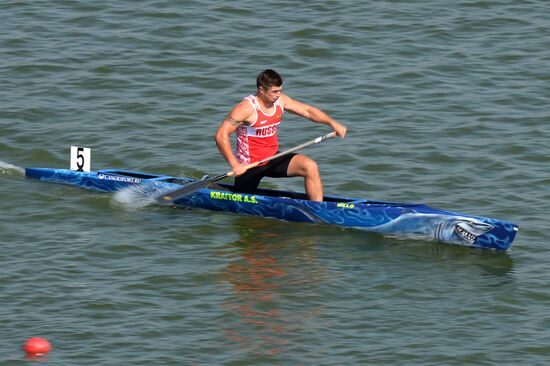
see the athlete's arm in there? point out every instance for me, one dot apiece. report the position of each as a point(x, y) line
point(240, 114)
point(312, 113)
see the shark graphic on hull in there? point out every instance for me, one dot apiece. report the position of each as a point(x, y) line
point(442, 228)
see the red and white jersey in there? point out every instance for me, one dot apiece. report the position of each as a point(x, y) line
point(258, 140)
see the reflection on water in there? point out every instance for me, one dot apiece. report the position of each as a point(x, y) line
point(271, 264)
point(498, 264)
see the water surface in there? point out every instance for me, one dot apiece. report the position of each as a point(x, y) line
point(446, 103)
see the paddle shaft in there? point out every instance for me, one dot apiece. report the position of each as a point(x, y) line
point(199, 184)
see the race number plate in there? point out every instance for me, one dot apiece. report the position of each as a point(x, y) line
point(80, 158)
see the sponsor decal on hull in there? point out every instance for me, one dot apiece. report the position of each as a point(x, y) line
point(118, 178)
point(237, 197)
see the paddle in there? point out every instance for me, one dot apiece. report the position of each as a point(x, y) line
point(193, 187)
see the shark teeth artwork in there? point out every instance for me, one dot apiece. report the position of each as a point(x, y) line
point(469, 229)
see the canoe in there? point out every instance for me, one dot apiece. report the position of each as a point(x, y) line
point(405, 220)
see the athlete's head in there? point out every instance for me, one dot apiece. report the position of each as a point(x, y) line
point(268, 78)
point(270, 86)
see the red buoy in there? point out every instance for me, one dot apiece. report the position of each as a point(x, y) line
point(37, 346)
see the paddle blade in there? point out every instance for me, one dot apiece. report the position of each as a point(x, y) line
point(138, 196)
point(186, 190)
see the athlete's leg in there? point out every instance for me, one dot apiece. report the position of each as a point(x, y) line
point(249, 181)
point(302, 166)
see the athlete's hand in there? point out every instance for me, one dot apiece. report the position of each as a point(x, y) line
point(340, 129)
point(239, 169)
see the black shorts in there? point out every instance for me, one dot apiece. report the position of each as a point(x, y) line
point(249, 181)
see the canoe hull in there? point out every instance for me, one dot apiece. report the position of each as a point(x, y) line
point(415, 221)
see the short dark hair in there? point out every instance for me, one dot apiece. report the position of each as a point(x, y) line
point(268, 78)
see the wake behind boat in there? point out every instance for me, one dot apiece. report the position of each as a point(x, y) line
point(416, 221)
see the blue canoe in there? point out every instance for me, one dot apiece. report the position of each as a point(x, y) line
point(415, 221)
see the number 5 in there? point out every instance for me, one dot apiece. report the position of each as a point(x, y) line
point(80, 159)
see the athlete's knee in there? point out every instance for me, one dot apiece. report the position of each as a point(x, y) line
point(311, 168)
point(303, 166)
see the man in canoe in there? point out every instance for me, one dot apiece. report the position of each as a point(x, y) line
point(255, 120)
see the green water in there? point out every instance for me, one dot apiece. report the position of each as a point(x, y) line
point(446, 103)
